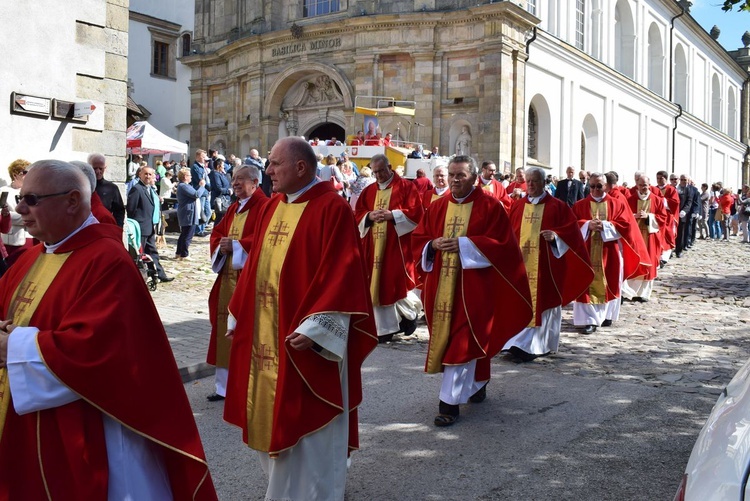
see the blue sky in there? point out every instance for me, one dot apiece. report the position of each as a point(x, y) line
point(732, 24)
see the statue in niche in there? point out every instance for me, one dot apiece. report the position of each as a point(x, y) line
point(463, 141)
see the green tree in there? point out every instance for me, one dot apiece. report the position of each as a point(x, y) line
point(743, 5)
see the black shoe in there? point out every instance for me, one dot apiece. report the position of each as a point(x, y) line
point(520, 354)
point(479, 396)
point(606, 323)
point(165, 279)
point(677, 254)
point(662, 264)
point(589, 329)
point(214, 397)
point(408, 326)
point(448, 414)
point(385, 339)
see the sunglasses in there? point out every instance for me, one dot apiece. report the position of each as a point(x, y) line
point(32, 199)
point(597, 186)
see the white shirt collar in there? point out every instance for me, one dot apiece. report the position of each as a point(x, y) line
point(51, 248)
point(599, 199)
point(536, 200)
point(461, 200)
point(440, 191)
point(294, 196)
point(383, 186)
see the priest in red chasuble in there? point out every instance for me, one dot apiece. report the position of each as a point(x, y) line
point(440, 181)
point(476, 295)
point(557, 265)
point(605, 223)
point(672, 203)
point(301, 325)
point(387, 212)
point(230, 245)
point(651, 215)
point(92, 405)
point(491, 185)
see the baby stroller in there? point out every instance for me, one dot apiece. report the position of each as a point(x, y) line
point(142, 261)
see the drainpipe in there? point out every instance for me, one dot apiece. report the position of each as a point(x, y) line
point(674, 134)
point(530, 40)
point(671, 87)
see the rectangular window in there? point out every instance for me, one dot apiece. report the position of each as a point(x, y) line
point(531, 6)
point(161, 59)
point(319, 7)
point(580, 23)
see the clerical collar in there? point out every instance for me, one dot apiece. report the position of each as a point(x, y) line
point(536, 200)
point(644, 197)
point(485, 181)
point(461, 200)
point(440, 191)
point(661, 186)
point(294, 196)
point(51, 248)
point(600, 198)
point(242, 203)
point(383, 186)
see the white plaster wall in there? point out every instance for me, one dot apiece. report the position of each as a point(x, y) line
point(704, 59)
point(44, 62)
point(167, 100)
point(634, 125)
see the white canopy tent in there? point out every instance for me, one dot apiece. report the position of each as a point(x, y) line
point(145, 139)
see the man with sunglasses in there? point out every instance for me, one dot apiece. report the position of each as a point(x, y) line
point(672, 200)
point(81, 347)
point(606, 226)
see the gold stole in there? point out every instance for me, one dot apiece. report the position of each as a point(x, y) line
point(531, 225)
point(643, 223)
point(487, 187)
point(456, 222)
point(379, 232)
point(264, 362)
point(435, 196)
point(598, 287)
point(23, 304)
point(228, 284)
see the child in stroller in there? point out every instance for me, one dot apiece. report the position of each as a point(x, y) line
point(142, 261)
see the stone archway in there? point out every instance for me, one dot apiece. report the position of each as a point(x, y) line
point(308, 97)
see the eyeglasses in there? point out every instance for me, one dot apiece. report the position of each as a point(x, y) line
point(32, 199)
point(597, 186)
point(673, 179)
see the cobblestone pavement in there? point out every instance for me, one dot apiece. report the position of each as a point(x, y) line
point(693, 334)
point(612, 415)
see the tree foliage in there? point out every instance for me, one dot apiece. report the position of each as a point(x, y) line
point(742, 4)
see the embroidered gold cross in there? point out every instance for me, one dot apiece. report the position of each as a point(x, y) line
point(278, 233)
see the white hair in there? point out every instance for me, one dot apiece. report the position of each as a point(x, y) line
point(88, 171)
point(67, 176)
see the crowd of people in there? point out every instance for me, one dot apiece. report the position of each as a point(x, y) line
point(316, 261)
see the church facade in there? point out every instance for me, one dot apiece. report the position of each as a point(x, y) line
point(595, 84)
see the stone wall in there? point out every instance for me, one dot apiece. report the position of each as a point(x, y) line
point(462, 68)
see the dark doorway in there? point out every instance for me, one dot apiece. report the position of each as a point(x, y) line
point(326, 131)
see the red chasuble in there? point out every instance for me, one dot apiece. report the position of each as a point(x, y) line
point(496, 190)
point(653, 241)
point(669, 193)
point(512, 186)
point(226, 280)
point(617, 213)
point(100, 212)
point(101, 336)
point(489, 305)
point(321, 271)
point(430, 196)
point(396, 268)
point(556, 282)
